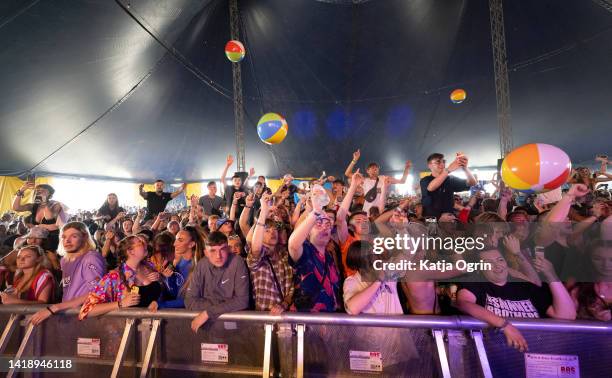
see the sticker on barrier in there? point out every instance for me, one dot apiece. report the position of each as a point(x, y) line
point(365, 361)
point(215, 353)
point(87, 347)
point(551, 366)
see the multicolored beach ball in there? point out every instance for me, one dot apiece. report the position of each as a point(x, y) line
point(458, 96)
point(234, 50)
point(536, 168)
point(272, 128)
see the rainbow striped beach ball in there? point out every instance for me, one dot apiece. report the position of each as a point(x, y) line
point(234, 50)
point(272, 128)
point(458, 96)
point(536, 168)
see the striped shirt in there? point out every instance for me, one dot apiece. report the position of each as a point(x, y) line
point(265, 291)
point(43, 279)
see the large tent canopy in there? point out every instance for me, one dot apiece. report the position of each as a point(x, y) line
point(141, 89)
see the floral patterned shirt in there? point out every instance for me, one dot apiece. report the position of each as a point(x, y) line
point(109, 289)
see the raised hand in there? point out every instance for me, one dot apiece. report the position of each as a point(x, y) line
point(472, 201)
point(544, 266)
point(266, 202)
point(408, 164)
point(250, 200)
point(356, 155)
point(506, 194)
point(229, 161)
point(357, 178)
point(454, 165)
point(405, 203)
point(194, 200)
point(578, 190)
point(252, 172)
point(27, 185)
point(317, 206)
point(512, 244)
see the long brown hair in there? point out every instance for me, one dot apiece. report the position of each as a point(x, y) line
point(122, 254)
point(197, 237)
point(107, 204)
point(25, 284)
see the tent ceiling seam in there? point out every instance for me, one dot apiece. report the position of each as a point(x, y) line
point(19, 13)
point(104, 114)
point(179, 57)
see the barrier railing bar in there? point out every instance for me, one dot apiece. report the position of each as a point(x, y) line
point(439, 337)
point(394, 321)
point(8, 331)
point(146, 363)
point(482, 354)
point(267, 351)
point(127, 332)
point(24, 344)
point(300, 350)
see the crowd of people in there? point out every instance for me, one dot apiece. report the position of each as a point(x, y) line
point(310, 248)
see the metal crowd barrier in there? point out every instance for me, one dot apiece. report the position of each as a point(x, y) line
point(136, 342)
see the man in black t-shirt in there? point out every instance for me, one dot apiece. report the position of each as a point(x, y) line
point(494, 298)
point(157, 200)
point(437, 189)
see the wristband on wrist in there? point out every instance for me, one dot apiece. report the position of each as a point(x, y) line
point(119, 303)
point(19, 193)
point(51, 311)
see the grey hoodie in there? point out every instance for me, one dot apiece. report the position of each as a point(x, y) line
point(219, 290)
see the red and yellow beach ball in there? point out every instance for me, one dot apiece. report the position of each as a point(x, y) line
point(234, 50)
point(458, 96)
point(536, 168)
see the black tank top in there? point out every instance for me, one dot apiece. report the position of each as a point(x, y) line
point(149, 293)
point(33, 221)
